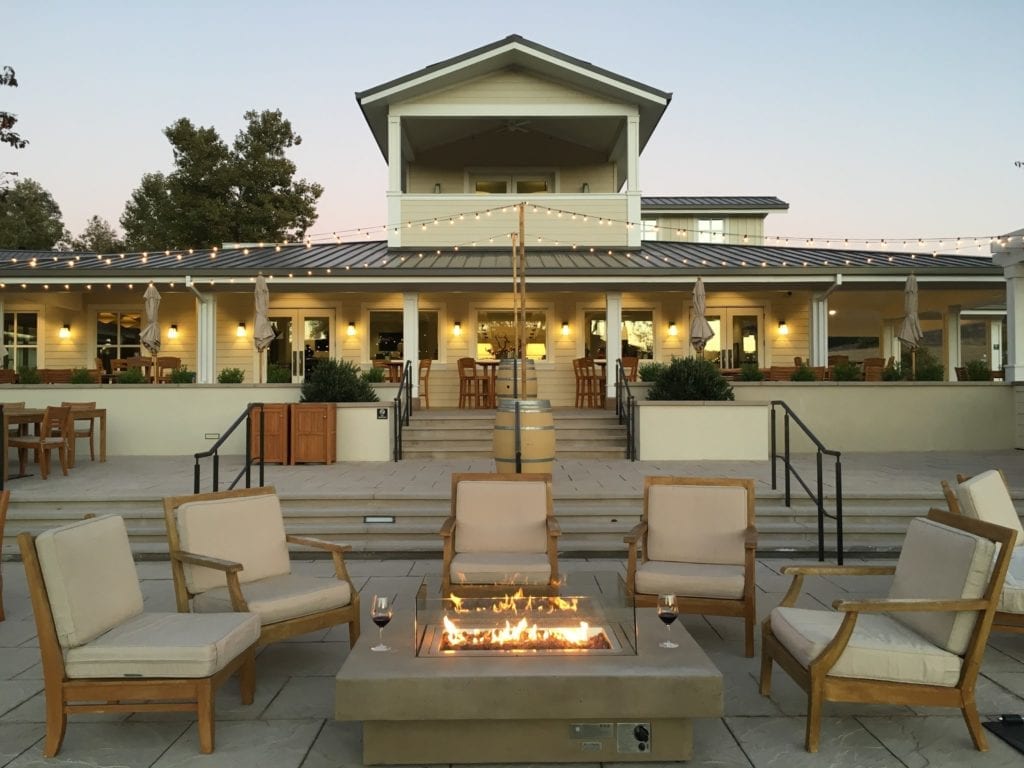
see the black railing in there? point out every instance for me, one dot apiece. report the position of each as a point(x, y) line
point(246, 470)
point(402, 409)
point(625, 409)
point(817, 496)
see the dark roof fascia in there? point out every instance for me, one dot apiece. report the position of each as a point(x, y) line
point(664, 204)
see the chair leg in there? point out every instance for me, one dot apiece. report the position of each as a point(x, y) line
point(970, 712)
point(22, 460)
point(44, 464)
point(353, 632)
point(204, 715)
point(92, 448)
point(247, 677)
point(813, 737)
point(765, 686)
point(56, 723)
point(749, 633)
point(62, 454)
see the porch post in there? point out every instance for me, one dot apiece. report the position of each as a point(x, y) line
point(952, 341)
point(411, 336)
point(206, 335)
point(394, 181)
point(613, 329)
point(634, 233)
point(819, 330)
point(1008, 253)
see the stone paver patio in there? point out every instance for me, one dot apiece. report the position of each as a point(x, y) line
point(291, 722)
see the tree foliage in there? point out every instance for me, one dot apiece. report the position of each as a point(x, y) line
point(29, 217)
point(7, 119)
point(98, 236)
point(217, 193)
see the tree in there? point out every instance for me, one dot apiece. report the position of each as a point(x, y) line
point(243, 193)
point(29, 217)
point(98, 236)
point(7, 120)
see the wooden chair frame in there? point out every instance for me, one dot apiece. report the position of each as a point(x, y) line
point(424, 381)
point(448, 532)
point(822, 687)
point(1004, 621)
point(55, 432)
point(66, 696)
point(473, 385)
point(744, 607)
point(278, 630)
point(87, 432)
point(5, 500)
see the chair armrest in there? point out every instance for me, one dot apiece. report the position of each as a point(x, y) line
point(448, 527)
point(554, 529)
point(206, 561)
point(838, 570)
point(906, 604)
point(635, 533)
point(750, 537)
point(315, 543)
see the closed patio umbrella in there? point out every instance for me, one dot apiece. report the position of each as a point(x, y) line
point(264, 331)
point(151, 333)
point(910, 331)
point(700, 329)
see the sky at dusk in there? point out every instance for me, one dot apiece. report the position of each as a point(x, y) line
point(894, 119)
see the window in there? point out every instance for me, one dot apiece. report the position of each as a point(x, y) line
point(21, 337)
point(521, 184)
point(637, 334)
point(710, 230)
point(118, 334)
point(650, 229)
point(495, 335)
point(387, 334)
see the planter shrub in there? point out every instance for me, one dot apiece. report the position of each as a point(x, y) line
point(231, 376)
point(978, 370)
point(928, 366)
point(337, 381)
point(650, 371)
point(802, 373)
point(691, 378)
point(131, 376)
point(750, 372)
point(82, 376)
point(278, 374)
point(845, 372)
point(182, 375)
point(374, 375)
point(29, 376)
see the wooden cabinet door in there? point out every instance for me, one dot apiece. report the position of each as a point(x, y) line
point(313, 433)
point(275, 441)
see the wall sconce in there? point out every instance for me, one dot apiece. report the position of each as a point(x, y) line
point(565, 327)
point(240, 331)
point(172, 332)
point(65, 331)
point(783, 328)
point(437, 188)
point(585, 189)
point(351, 329)
point(672, 330)
point(457, 329)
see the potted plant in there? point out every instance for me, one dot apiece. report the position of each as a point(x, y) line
point(231, 376)
point(313, 420)
point(691, 378)
point(182, 375)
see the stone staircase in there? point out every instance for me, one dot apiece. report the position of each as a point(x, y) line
point(460, 434)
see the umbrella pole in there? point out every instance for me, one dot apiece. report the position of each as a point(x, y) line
point(154, 372)
point(261, 367)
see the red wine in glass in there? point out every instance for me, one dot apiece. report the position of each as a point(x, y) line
point(380, 613)
point(668, 611)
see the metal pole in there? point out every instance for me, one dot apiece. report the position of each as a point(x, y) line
point(771, 456)
point(518, 443)
point(515, 300)
point(522, 290)
point(839, 510)
point(821, 512)
point(785, 437)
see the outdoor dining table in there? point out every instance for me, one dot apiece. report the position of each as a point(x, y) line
point(395, 370)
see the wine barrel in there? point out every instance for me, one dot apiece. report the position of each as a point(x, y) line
point(508, 370)
point(536, 436)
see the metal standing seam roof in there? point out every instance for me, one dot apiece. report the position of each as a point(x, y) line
point(652, 259)
point(769, 202)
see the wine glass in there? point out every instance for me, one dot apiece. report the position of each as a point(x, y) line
point(668, 611)
point(380, 612)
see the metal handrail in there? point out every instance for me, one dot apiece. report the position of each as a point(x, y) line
point(626, 408)
point(818, 496)
point(402, 409)
point(214, 451)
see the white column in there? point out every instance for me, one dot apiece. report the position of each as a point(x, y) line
point(633, 180)
point(411, 336)
point(1008, 253)
point(394, 181)
point(206, 338)
point(613, 329)
point(819, 330)
point(995, 343)
point(952, 341)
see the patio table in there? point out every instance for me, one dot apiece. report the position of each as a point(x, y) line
point(22, 417)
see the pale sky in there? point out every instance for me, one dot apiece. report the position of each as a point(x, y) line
point(876, 119)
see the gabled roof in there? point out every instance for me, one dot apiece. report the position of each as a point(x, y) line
point(713, 203)
point(512, 51)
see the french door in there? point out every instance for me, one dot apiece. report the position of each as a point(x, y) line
point(303, 338)
point(739, 336)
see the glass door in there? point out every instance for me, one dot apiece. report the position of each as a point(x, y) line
point(738, 336)
point(303, 338)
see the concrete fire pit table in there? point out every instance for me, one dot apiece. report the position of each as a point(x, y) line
point(630, 704)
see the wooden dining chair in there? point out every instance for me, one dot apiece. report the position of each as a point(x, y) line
point(165, 366)
point(54, 434)
point(425, 381)
point(82, 426)
point(472, 384)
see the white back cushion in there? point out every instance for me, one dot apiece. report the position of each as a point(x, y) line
point(986, 497)
point(248, 530)
point(501, 516)
point(942, 563)
point(696, 523)
point(90, 578)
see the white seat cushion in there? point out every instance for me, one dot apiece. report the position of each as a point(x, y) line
point(90, 578)
point(696, 523)
point(501, 516)
point(500, 568)
point(245, 529)
point(942, 563)
point(165, 645)
point(879, 649)
point(1012, 598)
point(656, 577)
point(280, 597)
point(986, 497)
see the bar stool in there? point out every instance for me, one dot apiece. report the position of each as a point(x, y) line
point(472, 384)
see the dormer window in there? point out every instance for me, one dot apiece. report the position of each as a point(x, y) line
point(507, 183)
point(710, 230)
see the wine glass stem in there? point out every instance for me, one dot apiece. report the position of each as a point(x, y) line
point(380, 634)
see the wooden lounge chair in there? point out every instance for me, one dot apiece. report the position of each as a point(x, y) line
point(102, 653)
point(920, 646)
